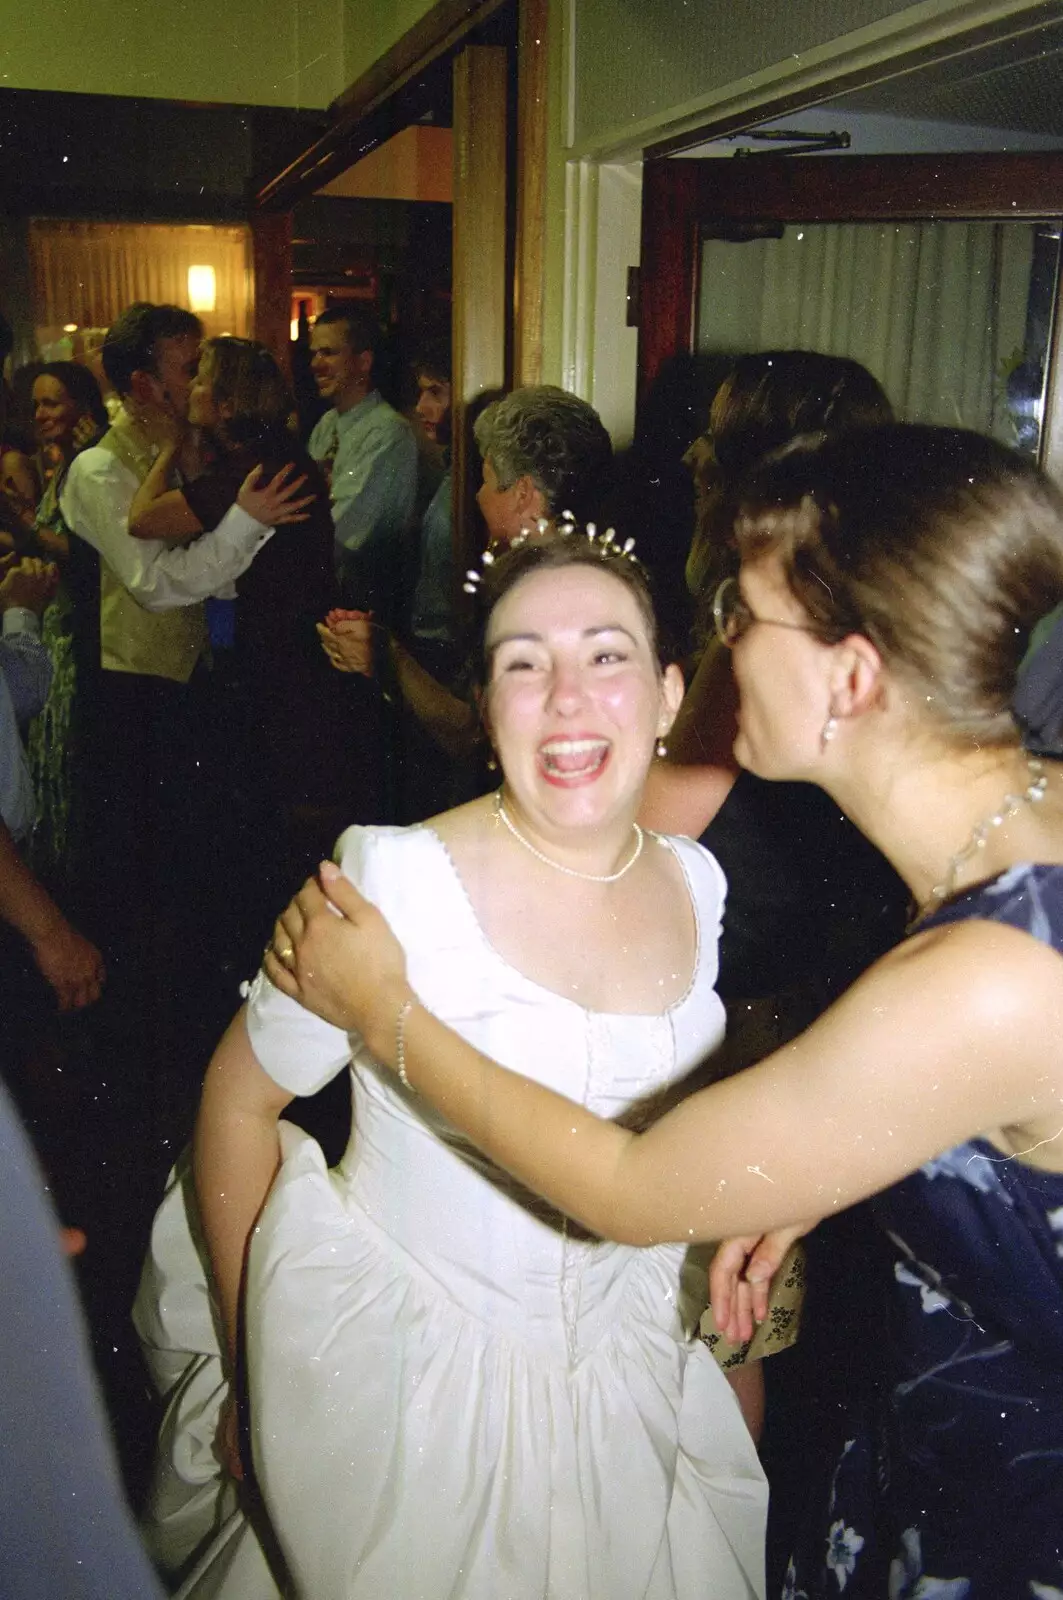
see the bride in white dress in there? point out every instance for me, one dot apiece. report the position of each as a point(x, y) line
point(454, 1395)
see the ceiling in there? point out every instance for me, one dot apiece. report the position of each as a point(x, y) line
point(1017, 84)
point(1002, 95)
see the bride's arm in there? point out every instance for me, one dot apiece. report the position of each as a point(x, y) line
point(236, 1153)
point(931, 1046)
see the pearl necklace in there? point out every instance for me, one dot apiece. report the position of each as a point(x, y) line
point(570, 872)
point(1034, 792)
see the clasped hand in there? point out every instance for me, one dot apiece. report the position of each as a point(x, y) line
point(30, 583)
point(347, 640)
point(334, 952)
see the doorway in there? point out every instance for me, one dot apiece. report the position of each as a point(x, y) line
point(939, 273)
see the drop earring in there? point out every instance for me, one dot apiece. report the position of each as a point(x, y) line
point(662, 749)
point(830, 728)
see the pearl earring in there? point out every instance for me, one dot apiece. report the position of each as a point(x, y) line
point(662, 749)
point(830, 728)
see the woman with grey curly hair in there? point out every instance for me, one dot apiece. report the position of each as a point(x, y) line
point(545, 452)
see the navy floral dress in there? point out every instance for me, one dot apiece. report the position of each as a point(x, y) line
point(952, 1487)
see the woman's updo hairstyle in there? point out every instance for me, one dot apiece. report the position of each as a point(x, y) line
point(552, 553)
point(942, 547)
point(245, 376)
point(767, 399)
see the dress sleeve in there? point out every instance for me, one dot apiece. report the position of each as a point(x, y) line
point(708, 884)
point(299, 1050)
point(210, 497)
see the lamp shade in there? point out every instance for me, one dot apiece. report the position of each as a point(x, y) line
point(202, 289)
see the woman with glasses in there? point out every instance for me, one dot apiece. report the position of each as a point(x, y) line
point(897, 638)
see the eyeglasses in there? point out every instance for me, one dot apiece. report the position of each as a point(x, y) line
point(732, 616)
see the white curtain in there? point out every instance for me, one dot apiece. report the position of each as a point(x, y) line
point(84, 273)
point(936, 310)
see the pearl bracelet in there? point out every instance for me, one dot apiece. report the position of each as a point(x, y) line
point(400, 1045)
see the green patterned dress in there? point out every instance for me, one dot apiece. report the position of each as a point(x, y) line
point(52, 738)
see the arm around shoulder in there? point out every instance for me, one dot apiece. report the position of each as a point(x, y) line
point(928, 1049)
point(96, 502)
point(159, 512)
point(940, 1041)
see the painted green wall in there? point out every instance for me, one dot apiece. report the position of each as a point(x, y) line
point(370, 27)
point(636, 63)
point(247, 52)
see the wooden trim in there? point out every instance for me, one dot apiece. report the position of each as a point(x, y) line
point(479, 272)
point(271, 254)
point(681, 198)
point(873, 188)
point(528, 275)
point(362, 116)
point(438, 31)
point(668, 272)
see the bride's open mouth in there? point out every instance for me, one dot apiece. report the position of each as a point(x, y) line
point(567, 759)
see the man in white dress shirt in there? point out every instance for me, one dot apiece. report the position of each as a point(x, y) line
point(370, 455)
point(151, 594)
point(146, 810)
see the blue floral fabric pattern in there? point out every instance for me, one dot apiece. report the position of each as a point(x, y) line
point(950, 1486)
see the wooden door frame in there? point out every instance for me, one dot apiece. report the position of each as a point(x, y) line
point(480, 305)
point(387, 97)
point(529, 261)
point(684, 200)
point(378, 103)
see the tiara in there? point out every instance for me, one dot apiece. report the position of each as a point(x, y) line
point(605, 544)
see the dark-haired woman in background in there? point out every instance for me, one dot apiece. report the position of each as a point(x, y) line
point(68, 416)
point(820, 869)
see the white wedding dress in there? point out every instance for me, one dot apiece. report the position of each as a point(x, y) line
point(455, 1395)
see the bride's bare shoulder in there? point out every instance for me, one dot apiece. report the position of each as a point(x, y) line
point(463, 829)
